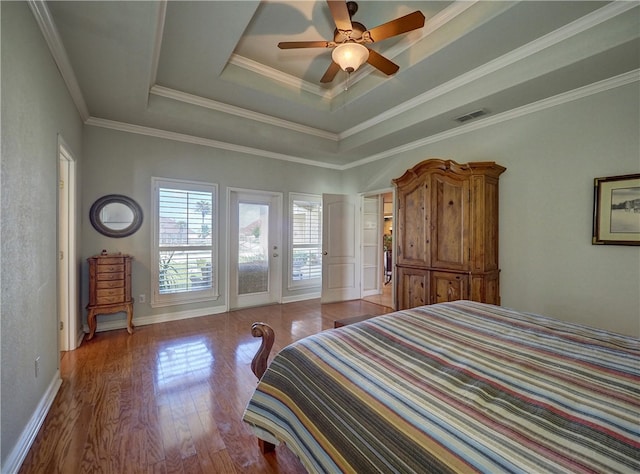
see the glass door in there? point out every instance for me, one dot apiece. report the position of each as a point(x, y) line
point(255, 269)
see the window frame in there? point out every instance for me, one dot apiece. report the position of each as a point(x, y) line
point(190, 296)
point(313, 282)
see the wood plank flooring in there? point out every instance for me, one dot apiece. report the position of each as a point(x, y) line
point(170, 398)
point(385, 298)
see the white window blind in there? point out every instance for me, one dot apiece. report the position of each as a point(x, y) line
point(184, 241)
point(306, 240)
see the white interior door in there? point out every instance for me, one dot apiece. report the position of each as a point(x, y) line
point(255, 270)
point(340, 248)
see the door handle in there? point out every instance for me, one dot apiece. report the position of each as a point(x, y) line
point(324, 253)
point(275, 254)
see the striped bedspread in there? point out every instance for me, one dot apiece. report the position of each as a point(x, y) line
point(455, 387)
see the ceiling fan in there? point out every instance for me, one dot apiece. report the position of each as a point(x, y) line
point(350, 39)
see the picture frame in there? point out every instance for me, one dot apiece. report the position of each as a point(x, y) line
point(616, 213)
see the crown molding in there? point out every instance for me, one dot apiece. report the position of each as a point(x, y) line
point(157, 41)
point(295, 82)
point(54, 42)
point(52, 38)
point(588, 21)
point(578, 26)
point(239, 112)
point(582, 92)
point(279, 76)
point(576, 94)
point(182, 137)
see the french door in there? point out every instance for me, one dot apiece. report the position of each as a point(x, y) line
point(255, 268)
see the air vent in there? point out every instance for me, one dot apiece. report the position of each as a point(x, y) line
point(471, 115)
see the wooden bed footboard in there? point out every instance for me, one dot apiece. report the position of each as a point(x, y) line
point(261, 359)
point(260, 363)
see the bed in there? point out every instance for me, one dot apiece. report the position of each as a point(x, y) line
point(454, 387)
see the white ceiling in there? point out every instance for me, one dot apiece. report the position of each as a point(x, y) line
point(210, 72)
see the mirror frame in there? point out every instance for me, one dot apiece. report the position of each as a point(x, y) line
point(96, 209)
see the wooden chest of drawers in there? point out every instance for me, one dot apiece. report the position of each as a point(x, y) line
point(109, 288)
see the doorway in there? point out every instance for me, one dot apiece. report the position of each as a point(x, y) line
point(67, 269)
point(377, 244)
point(255, 269)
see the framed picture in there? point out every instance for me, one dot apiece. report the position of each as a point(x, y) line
point(616, 214)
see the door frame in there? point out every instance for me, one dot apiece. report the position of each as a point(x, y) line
point(275, 239)
point(67, 311)
point(379, 193)
point(365, 265)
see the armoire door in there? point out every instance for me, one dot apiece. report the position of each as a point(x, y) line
point(413, 287)
point(449, 222)
point(412, 229)
point(448, 287)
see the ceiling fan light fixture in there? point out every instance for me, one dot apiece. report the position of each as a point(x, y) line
point(350, 56)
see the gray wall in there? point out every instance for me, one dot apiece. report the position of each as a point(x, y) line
point(124, 163)
point(36, 107)
point(548, 263)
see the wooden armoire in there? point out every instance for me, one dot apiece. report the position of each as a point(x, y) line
point(446, 233)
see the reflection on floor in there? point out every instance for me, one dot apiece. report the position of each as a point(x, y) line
point(384, 299)
point(170, 397)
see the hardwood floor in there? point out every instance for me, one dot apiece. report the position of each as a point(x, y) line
point(170, 398)
point(385, 298)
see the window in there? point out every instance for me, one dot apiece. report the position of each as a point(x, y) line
point(185, 229)
point(305, 267)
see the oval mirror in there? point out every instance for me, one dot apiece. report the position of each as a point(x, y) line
point(115, 215)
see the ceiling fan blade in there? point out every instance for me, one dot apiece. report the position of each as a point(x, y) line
point(331, 72)
point(383, 64)
point(303, 44)
point(404, 24)
point(340, 14)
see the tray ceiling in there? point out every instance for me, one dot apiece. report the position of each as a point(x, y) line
point(211, 73)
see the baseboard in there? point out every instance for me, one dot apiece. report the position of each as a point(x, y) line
point(157, 318)
point(196, 313)
point(371, 293)
point(304, 297)
point(79, 338)
point(21, 449)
